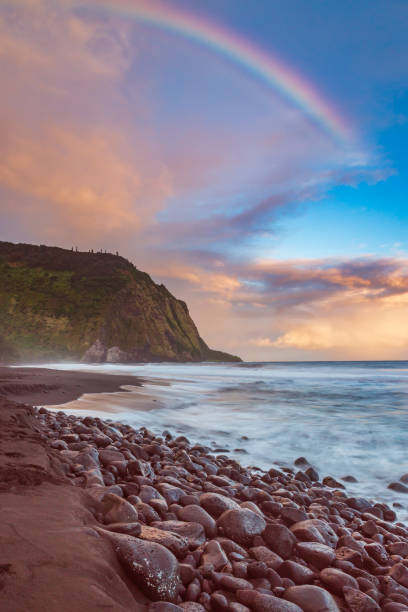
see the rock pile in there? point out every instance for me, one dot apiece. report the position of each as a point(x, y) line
point(199, 532)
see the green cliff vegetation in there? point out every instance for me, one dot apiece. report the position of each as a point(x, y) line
point(57, 304)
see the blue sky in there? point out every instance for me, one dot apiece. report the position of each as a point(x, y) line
point(285, 242)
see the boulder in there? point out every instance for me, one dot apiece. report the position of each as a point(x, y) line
point(241, 525)
point(359, 602)
point(280, 539)
point(192, 532)
point(311, 598)
point(115, 509)
point(263, 554)
point(315, 530)
point(172, 541)
point(214, 555)
point(335, 580)
point(317, 554)
point(215, 504)
point(296, 572)
point(153, 568)
point(197, 514)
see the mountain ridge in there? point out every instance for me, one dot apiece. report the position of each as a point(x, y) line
point(60, 304)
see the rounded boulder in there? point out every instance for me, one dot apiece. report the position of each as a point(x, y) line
point(241, 525)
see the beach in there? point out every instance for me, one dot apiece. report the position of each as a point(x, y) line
point(97, 514)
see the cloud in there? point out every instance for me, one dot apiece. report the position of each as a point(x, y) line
point(108, 141)
point(343, 308)
point(86, 181)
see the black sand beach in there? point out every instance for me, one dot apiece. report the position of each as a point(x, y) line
point(41, 386)
point(96, 515)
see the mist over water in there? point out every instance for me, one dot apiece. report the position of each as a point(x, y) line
point(346, 418)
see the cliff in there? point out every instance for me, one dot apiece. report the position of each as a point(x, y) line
point(57, 304)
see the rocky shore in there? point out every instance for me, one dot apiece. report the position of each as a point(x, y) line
point(96, 515)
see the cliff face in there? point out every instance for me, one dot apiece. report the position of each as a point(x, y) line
point(59, 304)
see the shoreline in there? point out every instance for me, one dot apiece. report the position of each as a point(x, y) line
point(84, 500)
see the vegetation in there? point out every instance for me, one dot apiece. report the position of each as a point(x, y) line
point(56, 303)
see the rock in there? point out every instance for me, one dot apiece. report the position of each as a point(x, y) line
point(139, 467)
point(315, 530)
point(359, 602)
point(241, 525)
point(192, 532)
point(237, 607)
point(95, 354)
point(231, 583)
point(269, 603)
point(197, 514)
point(398, 548)
point(312, 474)
point(257, 569)
point(251, 506)
point(215, 504)
point(108, 456)
point(214, 555)
point(393, 606)
point(146, 513)
point(296, 572)
point(293, 515)
point(163, 606)
point(115, 355)
point(377, 552)
point(335, 580)
point(311, 598)
point(93, 478)
point(358, 503)
point(177, 544)
point(350, 555)
point(133, 529)
point(263, 554)
point(115, 509)
point(187, 573)
point(192, 606)
point(317, 554)
point(400, 573)
point(172, 494)
point(398, 486)
point(280, 539)
point(231, 547)
point(152, 567)
point(147, 493)
point(301, 461)
point(331, 482)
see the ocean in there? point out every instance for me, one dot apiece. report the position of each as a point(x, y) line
point(345, 418)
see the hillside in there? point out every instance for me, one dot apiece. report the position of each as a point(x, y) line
point(57, 304)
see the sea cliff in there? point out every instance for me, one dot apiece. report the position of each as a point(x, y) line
point(63, 304)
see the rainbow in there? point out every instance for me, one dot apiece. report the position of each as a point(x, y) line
point(240, 51)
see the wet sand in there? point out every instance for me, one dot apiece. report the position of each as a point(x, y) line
point(44, 387)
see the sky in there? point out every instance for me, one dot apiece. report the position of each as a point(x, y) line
point(251, 156)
